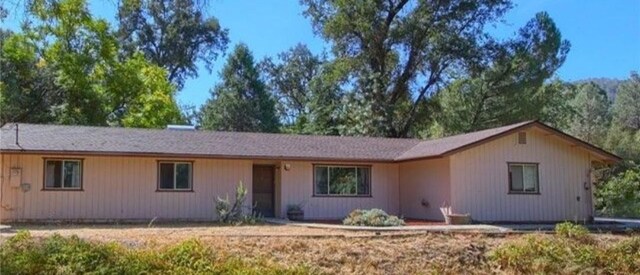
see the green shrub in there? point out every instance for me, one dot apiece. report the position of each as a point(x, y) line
point(372, 217)
point(572, 230)
point(620, 195)
point(22, 254)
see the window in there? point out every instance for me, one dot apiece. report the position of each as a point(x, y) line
point(175, 176)
point(341, 180)
point(523, 178)
point(62, 174)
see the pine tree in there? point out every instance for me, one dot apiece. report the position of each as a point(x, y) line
point(241, 102)
point(592, 114)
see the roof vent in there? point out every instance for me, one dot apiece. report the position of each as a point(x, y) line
point(181, 127)
point(522, 138)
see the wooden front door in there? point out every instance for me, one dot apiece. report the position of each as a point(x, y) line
point(264, 189)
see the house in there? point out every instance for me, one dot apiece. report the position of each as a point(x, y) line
point(523, 172)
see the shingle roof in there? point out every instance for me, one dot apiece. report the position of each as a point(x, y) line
point(129, 141)
point(442, 146)
point(199, 143)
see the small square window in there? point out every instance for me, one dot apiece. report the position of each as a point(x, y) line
point(63, 174)
point(523, 178)
point(174, 176)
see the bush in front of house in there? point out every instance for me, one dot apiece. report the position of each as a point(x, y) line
point(23, 254)
point(372, 217)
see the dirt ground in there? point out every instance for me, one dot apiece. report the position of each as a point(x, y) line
point(328, 251)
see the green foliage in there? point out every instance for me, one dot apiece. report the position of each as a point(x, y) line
point(569, 252)
point(307, 96)
point(511, 89)
point(28, 89)
point(624, 135)
point(241, 102)
point(173, 34)
point(68, 70)
point(372, 217)
point(398, 54)
point(626, 109)
point(572, 230)
point(23, 254)
point(619, 196)
point(592, 114)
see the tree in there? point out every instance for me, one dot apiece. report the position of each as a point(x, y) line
point(307, 95)
point(592, 114)
point(402, 52)
point(28, 90)
point(624, 135)
point(626, 108)
point(240, 102)
point(512, 88)
point(80, 79)
point(174, 34)
point(557, 110)
point(290, 79)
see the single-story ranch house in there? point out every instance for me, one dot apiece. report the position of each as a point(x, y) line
point(525, 172)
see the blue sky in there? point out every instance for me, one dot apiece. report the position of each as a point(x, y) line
point(604, 35)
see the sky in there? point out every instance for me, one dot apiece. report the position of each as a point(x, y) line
point(604, 35)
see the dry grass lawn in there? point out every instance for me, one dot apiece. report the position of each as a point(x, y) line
point(327, 251)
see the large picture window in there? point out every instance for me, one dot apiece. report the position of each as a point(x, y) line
point(174, 176)
point(62, 174)
point(523, 178)
point(341, 180)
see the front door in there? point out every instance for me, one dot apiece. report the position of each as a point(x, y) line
point(263, 189)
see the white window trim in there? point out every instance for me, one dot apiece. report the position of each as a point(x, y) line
point(175, 176)
point(328, 194)
point(62, 168)
point(524, 164)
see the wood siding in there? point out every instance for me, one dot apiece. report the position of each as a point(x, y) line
point(119, 188)
point(428, 181)
point(296, 186)
point(479, 180)
point(124, 188)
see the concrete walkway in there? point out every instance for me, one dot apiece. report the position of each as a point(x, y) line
point(624, 221)
point(480, 228)
point(605, 225)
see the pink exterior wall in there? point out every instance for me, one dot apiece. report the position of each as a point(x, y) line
point(297, 186)
point(122, 188)
point(479, 180)
point(424, 180)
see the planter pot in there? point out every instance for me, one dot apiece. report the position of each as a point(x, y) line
point(458, 218)
point(295, 215)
